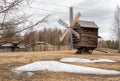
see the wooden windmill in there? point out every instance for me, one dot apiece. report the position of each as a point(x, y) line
point(83, 35)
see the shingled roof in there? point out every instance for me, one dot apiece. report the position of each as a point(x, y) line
point(87, 24)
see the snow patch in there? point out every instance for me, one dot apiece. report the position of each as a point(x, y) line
point(30, 74)
point(84, 60)
point(20, 73)
point(56, 66)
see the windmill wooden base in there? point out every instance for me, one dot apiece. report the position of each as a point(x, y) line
point(85, 50)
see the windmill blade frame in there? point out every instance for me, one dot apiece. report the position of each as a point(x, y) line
point(61, 22)
point(63, 36)
point(69, 30)
point(75, 33)
point(75, 20)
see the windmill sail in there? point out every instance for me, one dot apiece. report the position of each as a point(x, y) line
point(75, 20)
point(75, 33)
point(61, 22)
point(69, 32)
point(63, 36)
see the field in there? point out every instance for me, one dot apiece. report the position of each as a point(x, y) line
point(11, 60)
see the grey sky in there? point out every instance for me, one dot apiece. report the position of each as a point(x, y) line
point(99, 11)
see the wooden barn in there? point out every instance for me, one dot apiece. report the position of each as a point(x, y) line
point(88, 31)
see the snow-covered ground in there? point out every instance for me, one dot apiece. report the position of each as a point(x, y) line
point(56, 66)
point(72, 59)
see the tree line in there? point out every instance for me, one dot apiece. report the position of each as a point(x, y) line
point(112, 44)
point(48, 35)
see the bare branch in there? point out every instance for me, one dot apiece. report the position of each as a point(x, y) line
point(12, 5)
point(41, 21)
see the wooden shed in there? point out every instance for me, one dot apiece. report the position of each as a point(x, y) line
point(88, 41)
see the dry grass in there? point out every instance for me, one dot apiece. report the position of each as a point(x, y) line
point(10, 60)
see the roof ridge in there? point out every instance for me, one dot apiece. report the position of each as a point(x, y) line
point(86, 21)
point(89, 24)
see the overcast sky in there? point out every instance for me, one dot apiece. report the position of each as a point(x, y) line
point(99, 11)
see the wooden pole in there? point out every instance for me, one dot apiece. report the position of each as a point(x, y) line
point(71, 14)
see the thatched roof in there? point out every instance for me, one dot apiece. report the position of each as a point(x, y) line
point(87, 24)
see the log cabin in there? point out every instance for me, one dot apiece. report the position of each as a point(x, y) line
point(88, 41)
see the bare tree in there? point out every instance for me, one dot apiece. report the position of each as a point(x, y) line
point(7, 5)
point(116, 25)
point(18, 31)
point(8, 27)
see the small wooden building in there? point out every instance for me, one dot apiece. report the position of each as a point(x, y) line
point(12, 47)
point(6, 47)
point(88, 36)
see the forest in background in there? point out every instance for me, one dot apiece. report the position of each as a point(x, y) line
point(52, 37)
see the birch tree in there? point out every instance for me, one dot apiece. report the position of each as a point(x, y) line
point(116, 25)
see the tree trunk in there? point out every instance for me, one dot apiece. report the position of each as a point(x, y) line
point(119, 45)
